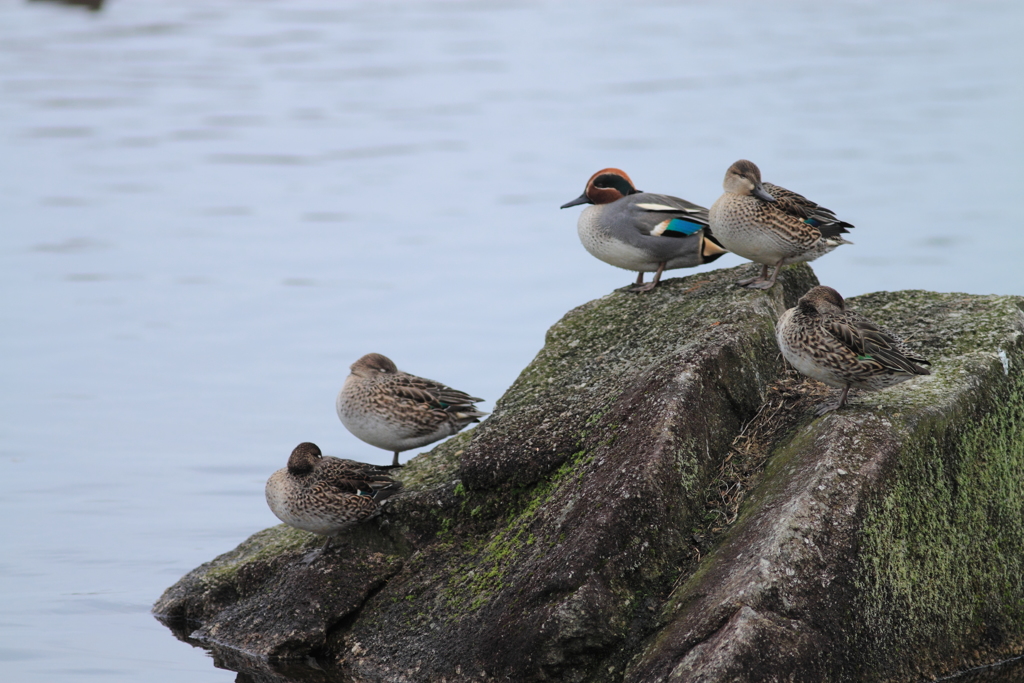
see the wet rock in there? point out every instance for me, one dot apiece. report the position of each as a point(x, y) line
point(653, 499)
point(236, 600)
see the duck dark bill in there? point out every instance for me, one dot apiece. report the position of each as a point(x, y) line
point(641, 231)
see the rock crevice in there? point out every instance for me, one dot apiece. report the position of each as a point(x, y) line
point(614, 521)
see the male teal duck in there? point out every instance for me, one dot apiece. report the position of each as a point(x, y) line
point(327, 495)
point(394, 410)
point(641, 231)
point(770, 225)
point(826, 342)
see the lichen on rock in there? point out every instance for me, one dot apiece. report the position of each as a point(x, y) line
point(574, 535)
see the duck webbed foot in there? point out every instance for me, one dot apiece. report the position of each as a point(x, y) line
point(829, 407)
point(641, 287)
point(750, 281)
point(765, 282)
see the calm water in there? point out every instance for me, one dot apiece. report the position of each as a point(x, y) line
point(211, 209)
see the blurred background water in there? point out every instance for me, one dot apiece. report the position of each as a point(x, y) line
point(211, 209)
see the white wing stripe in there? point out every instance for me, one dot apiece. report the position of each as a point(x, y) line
point(666, 207)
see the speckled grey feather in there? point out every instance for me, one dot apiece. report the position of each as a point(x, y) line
point(326, 495)
point(841, 348)
point(394, 410)
point(768, 224)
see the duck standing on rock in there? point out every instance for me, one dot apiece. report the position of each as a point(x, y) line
point(826, 342)
point(770, 225)
point(327, 495)
point(642, 231)
point(394, 410)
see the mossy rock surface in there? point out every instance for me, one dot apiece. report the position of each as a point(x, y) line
point(885, 541)
point(578, 534)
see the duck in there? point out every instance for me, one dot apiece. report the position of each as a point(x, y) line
point(396, 411)
point(825, 341)
point(642, 231)
point(326, 495)
point(771, 225)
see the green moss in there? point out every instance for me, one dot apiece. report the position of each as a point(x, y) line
point(940, 565)
point(436, 467)
point(444, 534)
point(939, 549)
point(262, 547)
point(482, 571)
point(941, 562)
point(650, 326)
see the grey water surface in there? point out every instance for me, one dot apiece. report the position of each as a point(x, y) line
point(210, 209)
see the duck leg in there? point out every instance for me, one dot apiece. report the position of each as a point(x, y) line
point(750, 280)
point(394, 463)
point(640, 278)
point(314, 554)
point(766, 283)
point(829, 407)
point(650, 285)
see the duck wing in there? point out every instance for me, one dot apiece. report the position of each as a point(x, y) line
point(873, 343)
point(351, 477)
point(667, 216)
point(812, 214)
point(431, 393)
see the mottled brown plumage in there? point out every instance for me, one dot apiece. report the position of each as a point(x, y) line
point(391, 409)
point(327, 495)
point(826, 342)
point(771, 225)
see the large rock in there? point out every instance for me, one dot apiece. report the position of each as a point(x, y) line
point(653, 499)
